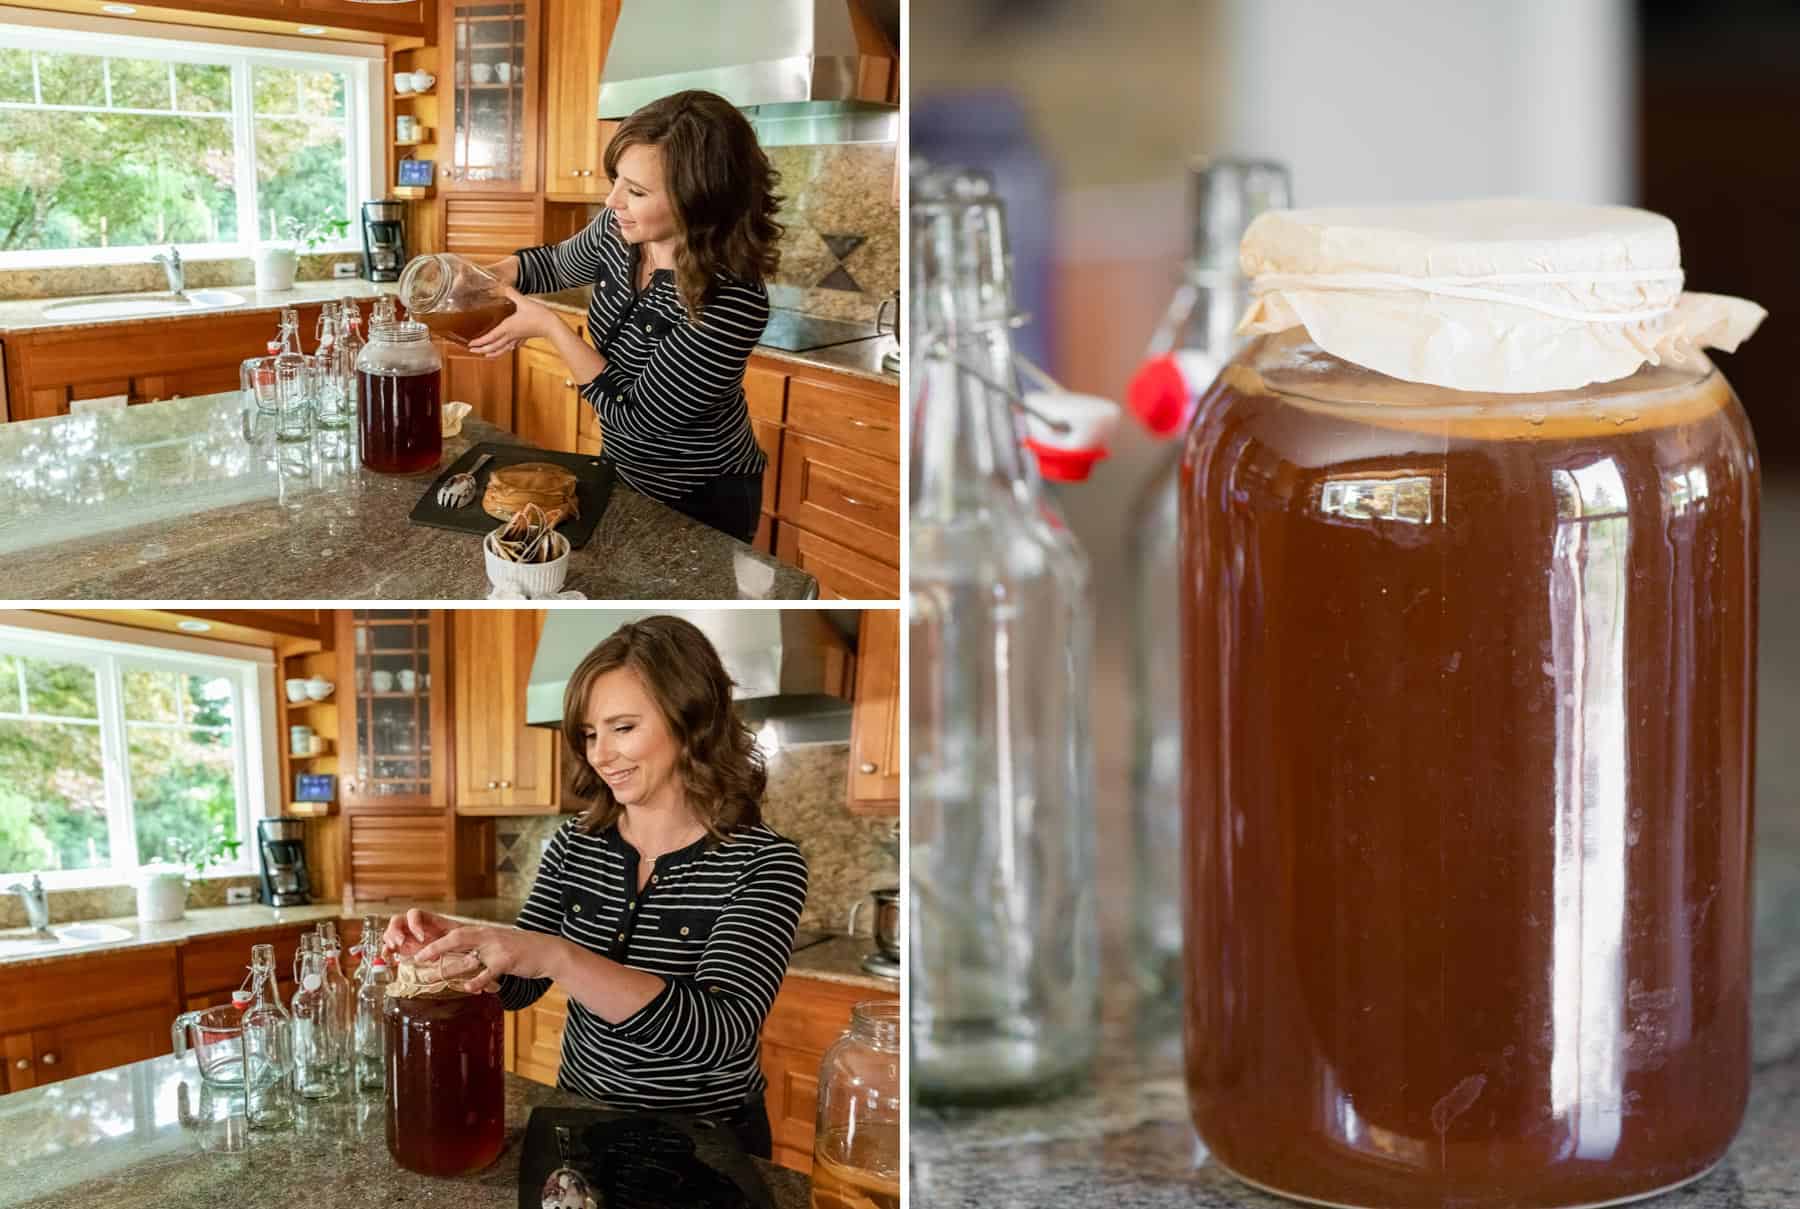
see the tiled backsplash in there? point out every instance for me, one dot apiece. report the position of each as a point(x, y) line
point(109, 902)
point(78, 280)
point(844, 854)
point(840, 254)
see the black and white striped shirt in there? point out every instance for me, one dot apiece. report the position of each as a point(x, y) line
point(671, 399)
point(715, 922)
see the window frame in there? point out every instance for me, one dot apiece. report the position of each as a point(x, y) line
point(252, 703)
point(364, 105)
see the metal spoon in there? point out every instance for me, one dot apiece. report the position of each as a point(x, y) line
point(458, 490)
point(567, 1188)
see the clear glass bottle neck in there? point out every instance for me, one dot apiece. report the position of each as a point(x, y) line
point(966, 442)
point(1220, 298)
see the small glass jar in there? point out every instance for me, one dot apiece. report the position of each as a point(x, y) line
point(400, 405)
point(446, 1091)
point(1467, 747)
point(856, 1144)
point(454, 297)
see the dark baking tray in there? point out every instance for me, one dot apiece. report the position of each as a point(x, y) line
point(593, 488)
point(642, 1160)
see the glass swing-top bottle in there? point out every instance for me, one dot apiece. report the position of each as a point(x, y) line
point(1191, 345)
point(1003, 928)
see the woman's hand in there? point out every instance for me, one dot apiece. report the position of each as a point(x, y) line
point(531, 320)
point(501, 950)
point(408, 933)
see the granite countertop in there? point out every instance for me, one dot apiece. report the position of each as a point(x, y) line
point(28, 315)
point(1126, 1139)
point(116, 1138)
point(168, 501)
point(834, 959)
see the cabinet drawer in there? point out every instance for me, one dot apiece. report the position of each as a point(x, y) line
point(216, 964)
point(765, 391)
point(864, 420)
point(843, 574)
point(399, 856)
point(91, 986)
point(768, 436)
point(841, 493)
point(486, 229)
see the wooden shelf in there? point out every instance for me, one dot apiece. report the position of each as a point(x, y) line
point(309, 702)
point(407, 96)
point(425, 139)
point(412, 192)
point(311, 810)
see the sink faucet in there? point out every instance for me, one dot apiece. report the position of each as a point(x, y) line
point(37, 903)
point(171, 264)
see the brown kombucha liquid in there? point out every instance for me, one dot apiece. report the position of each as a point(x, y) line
point(446, 1095)
point(472, 324)
point(1468, 761)
point(400, 418)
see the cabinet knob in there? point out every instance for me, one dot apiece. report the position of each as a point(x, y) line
point(867, 766)
point(493, 784)
point(49, 1059)
point(569, 383)
point(506, 784)
point(23, 1064)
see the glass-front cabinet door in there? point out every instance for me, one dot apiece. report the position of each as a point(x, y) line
point(493, 89)
point(395, 752)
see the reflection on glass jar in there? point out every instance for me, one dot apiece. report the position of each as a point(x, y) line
point(446, 1096)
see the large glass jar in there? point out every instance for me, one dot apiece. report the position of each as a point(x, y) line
point(446, 1092)
point(1467, 747)
point(856, 1145)
point(453, 296)
point(400, 408)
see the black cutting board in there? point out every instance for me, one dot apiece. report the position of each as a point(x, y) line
point(642, 1160)
point(593, 488)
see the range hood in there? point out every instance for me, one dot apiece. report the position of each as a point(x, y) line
point(791, 666)
point(804, 72)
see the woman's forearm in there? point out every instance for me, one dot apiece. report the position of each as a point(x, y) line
point(585, 362)
point(611, 991)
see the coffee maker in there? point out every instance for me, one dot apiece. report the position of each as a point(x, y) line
point(283, 846)
point(384, 239)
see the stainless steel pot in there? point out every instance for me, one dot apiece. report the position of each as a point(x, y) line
point(887, 919)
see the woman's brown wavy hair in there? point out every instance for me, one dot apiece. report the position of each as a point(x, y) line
point(720, 765)
point(721, 184)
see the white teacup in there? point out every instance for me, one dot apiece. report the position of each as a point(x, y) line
point(319, 688)
point(403, 81)
point(422, 81)
point(296, 690)
point(383, 681)
point(503, 72)
point(481, 73)
point(409, 680)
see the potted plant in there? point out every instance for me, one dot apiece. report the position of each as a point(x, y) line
point(278, 260)
point(162, 892)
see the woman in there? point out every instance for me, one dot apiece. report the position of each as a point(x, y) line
point(667, 911)
point(677, 263)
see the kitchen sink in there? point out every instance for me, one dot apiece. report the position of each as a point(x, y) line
point(124, 306)
point(16, 942)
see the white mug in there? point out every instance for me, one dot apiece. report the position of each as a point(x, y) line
point(403, 81)
point(481, 73)
point(422, 81)
point(409, 680)
point(300, 740)
point(318, 688)
point(382, 680)
point(406, 128)
point(296, 690)
point(503, 72)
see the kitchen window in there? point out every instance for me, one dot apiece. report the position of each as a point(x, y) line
point(113, 147)
point(115, 756)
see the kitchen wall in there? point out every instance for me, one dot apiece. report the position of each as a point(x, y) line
point(109, 902)
point(840, 254)
point(77, 280)
point(844, 853)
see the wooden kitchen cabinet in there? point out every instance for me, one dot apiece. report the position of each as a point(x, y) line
point(146, 360)
point(809, 1015)
point(389, 16)
point(875, 717)
point(503, 766)
point(104, 1010)
point(577, 34)
point(549, 408)
point(534, 1038)
point(485, 383)
point(492, 124)
point(393, 666)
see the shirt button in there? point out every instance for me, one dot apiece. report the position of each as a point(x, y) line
point(621, 936)
point(653, 878)
point(576, 908)
point(646, 327)
point(684, 931)
point(632, 905)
